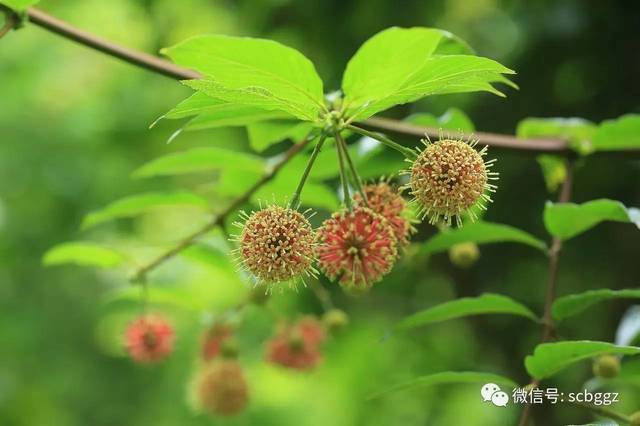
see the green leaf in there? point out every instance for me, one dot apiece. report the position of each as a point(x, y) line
point(401, 65)
point(577, 131)
point(210, 113)
point(19, 5)
point(250, 71)
point(566, 220)
point(199, 160)
point(480, 233)
point(621, 133)
point(550, 358)
point(82, 253)
point(453, 119)
point(263, 134)
point(573, 304)
point(484, 304)
point(142, 203)
point(449, 377)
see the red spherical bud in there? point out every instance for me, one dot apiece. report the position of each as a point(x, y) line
point(386, 201)
point(297, 346)
point(214, 339)
point(356, 247)
point(149, 339)
point(276, 245)
point(222, 388)
point(448, 178)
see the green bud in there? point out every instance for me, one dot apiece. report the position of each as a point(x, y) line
point(335, 319)
point(464, 255)
point(606, 366)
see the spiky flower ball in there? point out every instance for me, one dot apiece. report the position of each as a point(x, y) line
point(214, 339)
point(149, 339)
point(606, 366)
point(448, 178)
point(222, 388)
point(464, 255)
point(297, 346)
point(383, 199)
point(276, 245)
point(356, 247)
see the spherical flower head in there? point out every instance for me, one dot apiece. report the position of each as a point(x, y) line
point(297, 346)
point(448, 178)
point(464, 255)
point(356, 247)
point(606, 366)
point(149, 339)
point(383, 199)
point(214, 339)
point(276, 245)
point(222, 388)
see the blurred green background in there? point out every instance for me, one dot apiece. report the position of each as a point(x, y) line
point(74, 126)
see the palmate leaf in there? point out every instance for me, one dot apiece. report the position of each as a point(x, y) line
point(140, 203)
point(567, 220)
point(400, 65)
point(449, 377)
point(551, 358)
point(255, 72)
point(466, 306)
point(573, 304)
point(82, 253)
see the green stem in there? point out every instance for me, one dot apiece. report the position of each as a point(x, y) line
point(295, 199)
point(354, 172)
point(343, 177)
point(407, 152)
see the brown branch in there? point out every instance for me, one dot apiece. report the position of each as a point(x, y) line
point(494, 140)
point(161, 66)
point(140, 59)
point(552, 281)
point(141, 273)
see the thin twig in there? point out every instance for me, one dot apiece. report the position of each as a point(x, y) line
point(140, 59)
point(552, 281)
point(186, 242)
